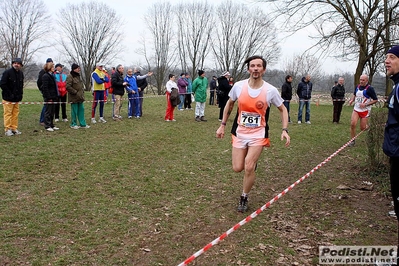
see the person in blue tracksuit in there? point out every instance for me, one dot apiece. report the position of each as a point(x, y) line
point(133, 93)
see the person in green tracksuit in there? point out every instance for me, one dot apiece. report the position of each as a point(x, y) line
point(199, 86)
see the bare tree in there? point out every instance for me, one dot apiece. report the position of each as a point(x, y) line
point(144, 52)
point(303, 64)
point(242, 32)
point(160, 21)
point(86, 38)
point(195, 23)
point(348, 29)
point(23, 24)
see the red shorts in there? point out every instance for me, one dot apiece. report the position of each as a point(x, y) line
point(364, 114)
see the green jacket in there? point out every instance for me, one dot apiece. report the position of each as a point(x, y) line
point(200, 85)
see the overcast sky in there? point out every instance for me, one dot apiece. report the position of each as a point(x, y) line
point(133, 11)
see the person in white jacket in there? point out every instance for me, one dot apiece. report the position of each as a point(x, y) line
point(171, 84)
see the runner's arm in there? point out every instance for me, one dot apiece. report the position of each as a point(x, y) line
point(226, 113)
point(284, 122)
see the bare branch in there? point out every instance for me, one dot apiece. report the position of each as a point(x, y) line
point(23, 24)
point(87, 40)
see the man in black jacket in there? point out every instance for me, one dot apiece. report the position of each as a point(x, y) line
point(39, 85)
point(304, 93)
point(213, 87)
point(338, 97)
point(224, 89)
point(391, 145)
point(118, 85)
point(12, 84)
point(286, 94)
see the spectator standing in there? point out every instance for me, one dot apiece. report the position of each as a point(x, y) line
point(286, 94)
point(50, 96)
point(134, 108)
point(39, 85)
point(304, 92)
point(142, 85)
point(111, 90)
point(76, 96)
point(200, 85)
point(12, 85)
point(391, 144)
point(363, 97)
point(107, 85)
point(189, 94)
point(98, 79)
point(170, 85)
point(250, 126)
point(338, 98)
point(335, 84)
point(213, 87)
point(224, 89)
point(60, 78)
point(133, 95)
point(182, 86)
point(118, 90)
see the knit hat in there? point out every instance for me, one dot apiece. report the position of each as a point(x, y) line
point(200, 72)
point(59, 65)
point(226, 73)
point(17, 60)
point(74, 66)
point(49, 60)
point(394, 50)
point(99, 64)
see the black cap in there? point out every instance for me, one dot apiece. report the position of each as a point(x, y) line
point(59, 65)
point(74, 66)
point(17, 60)
point(49, 60)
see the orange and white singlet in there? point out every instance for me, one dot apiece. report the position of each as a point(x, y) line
point(252, 115)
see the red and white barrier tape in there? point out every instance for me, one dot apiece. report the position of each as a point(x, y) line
point(267, 205)
point(106, 101)
point(315, 99)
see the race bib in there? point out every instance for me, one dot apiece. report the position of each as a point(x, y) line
point(251, 120)
point(358, 100)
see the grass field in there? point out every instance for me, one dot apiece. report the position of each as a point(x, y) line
point(149, 192)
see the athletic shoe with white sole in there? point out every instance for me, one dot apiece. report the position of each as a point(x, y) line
point(9, 133)
point(16, 132)
point(93, 121)
point(102, 120)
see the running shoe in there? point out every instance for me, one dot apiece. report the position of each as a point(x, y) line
point(243, 204)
